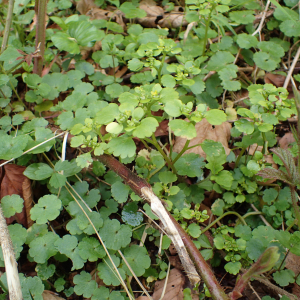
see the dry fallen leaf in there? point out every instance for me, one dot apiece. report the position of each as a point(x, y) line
point(286, 140)
point(175, 262)
point(277, 80)
point(205, 131)
point(173, 20)
point(48, 295)
point(296, 290)
point(162, 129)
point(14, 182)
point(83, 6)
point(172, 250)
point(292, 262)
point(150, 7)
point(149, 22)
point(89, 8)
point(174, 289)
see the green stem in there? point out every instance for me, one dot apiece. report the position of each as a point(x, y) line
point(290, 227)
point(161, 66)
point(161, 151)
point(129, 285)
point(206, 31)
point(295, 205)
point(185, 147)
point(113, 61)
point(145, 144)
point(170, 140)
point(154, 172)
point(3, 95)
point(40, 9)
point(224, 215)
point(265, 147)
point(253, 213)
point(239, 157)
point(7, 25)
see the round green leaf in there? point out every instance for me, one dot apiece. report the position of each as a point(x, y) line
point(215, 116)
point(114, 128)
point(290, 27)
point(64, 42)
point(183, 128)
point(146, 128)
point(167, 177)
point(11, 205)
point(244, 125)
point(130, 214)
point(122, 146)
point(173, 108)
point(138, 259)
point(246, 41)
point(135, 65)
point(115, 235)
point(168, 80)
point(48, 208)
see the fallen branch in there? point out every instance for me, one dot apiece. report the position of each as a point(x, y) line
point(143, 189)
point(179, 237)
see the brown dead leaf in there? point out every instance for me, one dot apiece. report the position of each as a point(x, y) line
point(162, 129)
point(14, 182)
point(205, 131)
point(83, 6)
point(175, 262)
point(89, 8)
point(296, 290)
point(286, 140)
point(174, 289)
point(269, 159)
point(253, 148)
point(178, 9)
point(48, 295)
point(121, 72)
point(173, 20)
point(28, 199)
point(277, 80)
point(149, 22)
point(172, 249)
point(292, 262)
point(150, 7)
point(114, 15)
point(142, 298)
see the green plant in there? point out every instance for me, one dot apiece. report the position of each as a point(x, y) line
point(175, 77)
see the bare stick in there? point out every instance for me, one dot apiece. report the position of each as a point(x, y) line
point(173, 234)
point(259, 28)
point(143, 189)
point(290, 73)
point(13, 281)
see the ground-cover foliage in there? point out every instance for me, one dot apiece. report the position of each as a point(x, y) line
point(108, 79)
